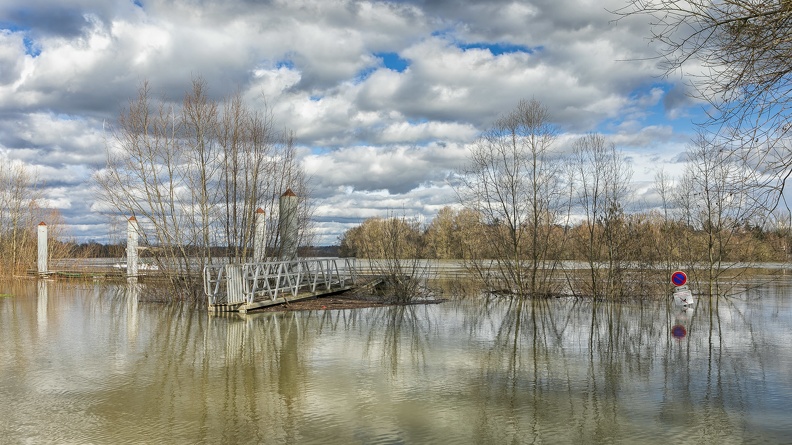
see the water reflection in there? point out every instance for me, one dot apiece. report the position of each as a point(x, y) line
point(90, 363)
point(41, 307)
point(598, 366)
point(401, 336)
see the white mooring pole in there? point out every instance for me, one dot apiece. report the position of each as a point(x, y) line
point(260, 237)
point(132, 247)
point(42, 248)
point(288, 226)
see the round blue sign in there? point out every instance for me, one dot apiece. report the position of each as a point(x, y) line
point(679, 278)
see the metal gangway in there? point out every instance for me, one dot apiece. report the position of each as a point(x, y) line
point(246, 286)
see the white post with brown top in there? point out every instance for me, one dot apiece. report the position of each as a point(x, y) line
point(42, 248)
point(260, 237)
point(288, 225)
point(132, 247)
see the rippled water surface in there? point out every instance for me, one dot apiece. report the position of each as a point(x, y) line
point(84, 363)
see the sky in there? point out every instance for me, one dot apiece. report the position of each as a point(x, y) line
point(384, 98)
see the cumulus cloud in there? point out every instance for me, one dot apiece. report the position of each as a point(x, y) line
point(373, 137)
point(396, 169)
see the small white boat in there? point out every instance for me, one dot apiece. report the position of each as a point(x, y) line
point(683, 297)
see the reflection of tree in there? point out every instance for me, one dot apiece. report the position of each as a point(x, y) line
point(17, 326)
point(226, 373)
point(498, 370)
point(396, 330)
point(717, 371)
point(591, 365)
point(522, 369)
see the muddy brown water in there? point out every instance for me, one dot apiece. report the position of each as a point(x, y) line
point(87, 363)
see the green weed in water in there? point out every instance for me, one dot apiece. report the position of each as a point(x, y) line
point(6, 295)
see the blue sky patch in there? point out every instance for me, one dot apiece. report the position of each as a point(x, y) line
point(495, 48)
point(31, 48)
point(393, 62)
point(363, 74)
point(673, 108)
point(645, 113)
point(285, 63)
point(138, 3)
point(499, 48)
point(13, 27)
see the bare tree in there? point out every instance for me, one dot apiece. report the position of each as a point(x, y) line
point(19, 215)
point(780, 225)
point(738, 58)
point(146, 177)
point(194, 174)
point(400, 265)
point(393, 249)
point(514, 181)
point(599, 178)
point(717, 198)
point(442, 235)
point(455, 234)
point(258, 165)
point(666, 244)
point(202, 162)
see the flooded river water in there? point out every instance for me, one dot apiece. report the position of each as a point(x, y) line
point(84, 363)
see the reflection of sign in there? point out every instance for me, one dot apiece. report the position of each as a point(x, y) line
point(678, 331)
point(679, 278)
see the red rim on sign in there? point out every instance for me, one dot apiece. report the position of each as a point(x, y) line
point(679, 278)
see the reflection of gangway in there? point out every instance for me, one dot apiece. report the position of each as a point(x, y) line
point(247, 286)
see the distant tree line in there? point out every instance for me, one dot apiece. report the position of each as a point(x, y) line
point(457, 234)
point(94, 249)
point(644, 241)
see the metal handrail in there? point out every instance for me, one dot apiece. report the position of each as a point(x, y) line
point(273, 279)
point(214, 276)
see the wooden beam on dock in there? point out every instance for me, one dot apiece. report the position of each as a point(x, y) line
point(283, 300)
point(258, 304)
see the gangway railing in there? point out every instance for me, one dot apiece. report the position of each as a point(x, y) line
point(214, 283)
point(232, 284)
